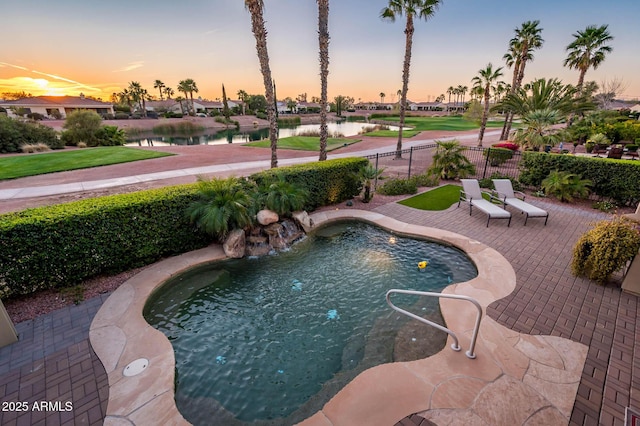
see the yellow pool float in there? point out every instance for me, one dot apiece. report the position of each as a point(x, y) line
point(422, 265)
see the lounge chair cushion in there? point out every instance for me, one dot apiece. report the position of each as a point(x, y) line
point(508, 197)
point(473, 196)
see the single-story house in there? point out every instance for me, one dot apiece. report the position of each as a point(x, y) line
point(426, 106)
point(56, 106)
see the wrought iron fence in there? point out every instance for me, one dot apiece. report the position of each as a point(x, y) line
point(488, 162)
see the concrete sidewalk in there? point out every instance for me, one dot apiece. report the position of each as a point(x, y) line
point(238, 167)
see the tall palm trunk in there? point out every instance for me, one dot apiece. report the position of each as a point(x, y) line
point(323, 39)
point(485, 115)
point(508, 118)
point(260, 33)
point(405, 79)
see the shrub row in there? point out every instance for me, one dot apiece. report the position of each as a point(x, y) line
point(615, 179)
point(328, 182)
point(15, 133)
point(65, 244)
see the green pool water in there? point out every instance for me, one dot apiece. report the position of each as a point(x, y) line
point(270, 340)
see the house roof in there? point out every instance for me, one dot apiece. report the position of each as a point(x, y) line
point(68, 101)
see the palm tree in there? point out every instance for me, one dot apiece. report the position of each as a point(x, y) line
point(527, 39)
point(485, 78)
point(138, 95)
point(588, 50)
point(256, 8)
point(545, 94)
point(243, 96)
point(190, 86)
point(422, 9)
point(169, 92)
point(463, 90)
point(450, 92)
point(367, 175)
point(449, 161)
point(382, 96)
point(159, 85)
point(184, 87)
point(323, 40)
point(537, 129)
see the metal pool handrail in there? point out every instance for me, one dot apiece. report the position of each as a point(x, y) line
point(455, 346)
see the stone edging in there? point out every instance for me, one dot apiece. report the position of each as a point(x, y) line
point(539, 374)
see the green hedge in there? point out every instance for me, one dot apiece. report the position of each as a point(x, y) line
point(63, 245)
point(328, 182)
point(615, 179)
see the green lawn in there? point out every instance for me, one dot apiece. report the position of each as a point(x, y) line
point(37, 164)
point(441, 123)
point(440, 198)
point(393, 133)
point(304, 143)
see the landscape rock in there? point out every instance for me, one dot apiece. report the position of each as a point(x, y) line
point(267, 217)
point(303, 219)
point(234, 245)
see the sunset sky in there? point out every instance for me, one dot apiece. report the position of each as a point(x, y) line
point(97, 48)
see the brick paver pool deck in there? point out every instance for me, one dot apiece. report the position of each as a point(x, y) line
point(53, 360)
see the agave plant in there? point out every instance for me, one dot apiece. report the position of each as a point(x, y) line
point(449, 161)
point(283, 197)
point(565, 186)
point(223, 205)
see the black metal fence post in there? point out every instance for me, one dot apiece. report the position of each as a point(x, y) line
point(484, 172)
point(410, 159)
point(375, 184)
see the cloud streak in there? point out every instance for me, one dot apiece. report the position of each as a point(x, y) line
point(132, 66)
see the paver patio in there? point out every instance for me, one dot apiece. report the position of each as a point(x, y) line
point(53, 359)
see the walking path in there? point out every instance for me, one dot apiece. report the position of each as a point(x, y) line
point(53, 360)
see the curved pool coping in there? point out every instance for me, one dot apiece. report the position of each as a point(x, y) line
point(516, 378)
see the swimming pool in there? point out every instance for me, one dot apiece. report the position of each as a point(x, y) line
point(276, 337)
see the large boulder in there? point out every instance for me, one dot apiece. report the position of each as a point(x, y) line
point(234, 245)
point(303, 219)
point(267, 217)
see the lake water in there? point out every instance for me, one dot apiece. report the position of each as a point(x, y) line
point(208, 137)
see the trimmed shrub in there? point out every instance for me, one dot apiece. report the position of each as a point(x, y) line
point(398, 187)
point(62, 245)
point(498, 156)
point(426, 180)
point(605, 249)
point(121, 116)
point(614, 179)
point(15, 133)
point(327, 182)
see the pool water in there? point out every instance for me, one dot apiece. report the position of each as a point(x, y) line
point(272, 339)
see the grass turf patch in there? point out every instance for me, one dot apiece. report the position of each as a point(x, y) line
point(437, 199)
point(392, 133)
point(455, 123)
point(304, 143)
point(37, 164)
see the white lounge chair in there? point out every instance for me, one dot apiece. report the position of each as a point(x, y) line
point(472, 194)
point(515, 199)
